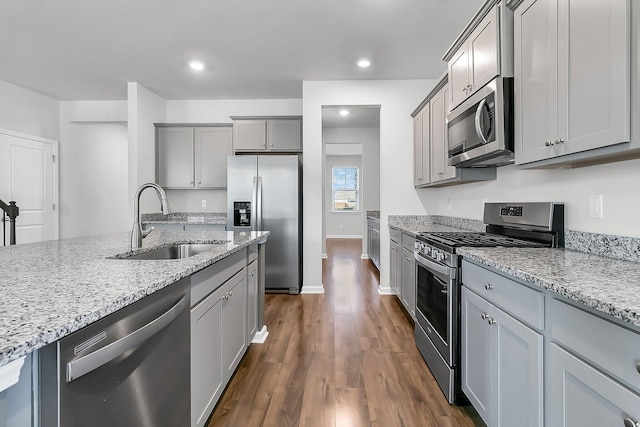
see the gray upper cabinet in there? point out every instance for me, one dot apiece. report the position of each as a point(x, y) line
point(259, 134)
point(475, 63)
point(430, 144)
point(192, 157)
point(572, 78)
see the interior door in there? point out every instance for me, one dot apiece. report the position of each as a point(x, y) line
point(27, 176)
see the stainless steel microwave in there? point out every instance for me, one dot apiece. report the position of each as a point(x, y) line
point(480, 130)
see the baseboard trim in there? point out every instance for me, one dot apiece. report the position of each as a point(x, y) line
point(385, 290)
point(364, 256)
point(344, 236)
point(312, 289)
point(325, 256)
point(261, 336)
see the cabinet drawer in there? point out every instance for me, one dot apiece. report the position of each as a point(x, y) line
point(206, 281)
point(611, 347)
point(408, 242)
point(396, 235)
point(252, 253)
point(517, 299)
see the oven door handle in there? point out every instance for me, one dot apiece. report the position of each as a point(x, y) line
point(434, 266)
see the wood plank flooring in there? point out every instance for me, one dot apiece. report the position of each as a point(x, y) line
point(346, 359)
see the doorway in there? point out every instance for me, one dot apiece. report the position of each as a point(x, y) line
point(351, 170)
point(29, 176)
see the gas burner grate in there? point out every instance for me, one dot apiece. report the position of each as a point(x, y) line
point(477, 239)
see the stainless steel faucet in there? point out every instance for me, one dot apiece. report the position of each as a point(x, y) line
point(137, 234)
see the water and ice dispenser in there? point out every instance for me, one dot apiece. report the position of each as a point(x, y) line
point(242, 214)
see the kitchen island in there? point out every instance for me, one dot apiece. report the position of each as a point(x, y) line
point(52, 289)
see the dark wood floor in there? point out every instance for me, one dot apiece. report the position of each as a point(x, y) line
point(345, 358)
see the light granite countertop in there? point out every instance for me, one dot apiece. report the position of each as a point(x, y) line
point(51, 289)
point(217, 218)
point(609, 285)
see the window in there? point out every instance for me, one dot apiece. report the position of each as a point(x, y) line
point(345, 186)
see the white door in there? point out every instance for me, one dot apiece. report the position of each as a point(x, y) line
point(28, 177)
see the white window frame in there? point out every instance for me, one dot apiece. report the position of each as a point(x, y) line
point(357, 190)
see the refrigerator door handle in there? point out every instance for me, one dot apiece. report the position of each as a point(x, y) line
point(254, 202)
point(259, 205)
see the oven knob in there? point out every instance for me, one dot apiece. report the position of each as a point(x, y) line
point(426, 249)
point(440, 257)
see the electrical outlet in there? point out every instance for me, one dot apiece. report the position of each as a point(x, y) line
point(204, 203)
point(341, 227)
point(595, 206)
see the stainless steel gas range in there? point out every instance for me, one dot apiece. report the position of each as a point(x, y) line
point(438, 277)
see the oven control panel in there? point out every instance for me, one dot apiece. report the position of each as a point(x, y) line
point(427, 251)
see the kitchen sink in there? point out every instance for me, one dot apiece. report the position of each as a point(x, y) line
point(175, 251)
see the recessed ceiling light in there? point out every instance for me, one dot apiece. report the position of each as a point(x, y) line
point(344, 112)
point(196, 65)
point(364, 63)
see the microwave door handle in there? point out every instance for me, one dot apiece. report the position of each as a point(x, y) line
point(479, 131)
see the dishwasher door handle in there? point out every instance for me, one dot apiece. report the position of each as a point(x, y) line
point(94, 360)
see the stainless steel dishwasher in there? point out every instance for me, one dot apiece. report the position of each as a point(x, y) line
point(130, 368)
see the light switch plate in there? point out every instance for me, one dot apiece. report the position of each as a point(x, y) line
point(595, 206)
point(204, 203)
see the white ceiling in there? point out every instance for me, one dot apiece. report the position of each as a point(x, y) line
point(360, 116)
point(90, 49)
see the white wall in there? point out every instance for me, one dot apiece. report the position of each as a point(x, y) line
point(22, 110)
point(93, 168)
point(341, 224)
point(617, 182)
point(218, 111)
point(144, 109)
point(397, 98)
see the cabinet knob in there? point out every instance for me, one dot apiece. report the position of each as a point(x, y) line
point(490, 320)
point(488, 286)
point(638, 367)
point(199, 182)
point(629, 422)
point(549, 143)
point(484, 316)
point(559, 141)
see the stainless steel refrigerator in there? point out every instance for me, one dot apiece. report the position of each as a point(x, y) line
point(263, 193)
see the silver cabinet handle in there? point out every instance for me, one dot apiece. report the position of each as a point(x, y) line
point(252, 274)
point(548, 143)
point(484, 316)
point(491, 320)
point(559, 141)
point(638, 367)
point(488, 286)
point(629, 422)
point(94, 360)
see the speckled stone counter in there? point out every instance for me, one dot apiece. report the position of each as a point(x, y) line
point(217, 218)
point(51, 289)
point(414, 224)
point(611, 286)
point(373, 214)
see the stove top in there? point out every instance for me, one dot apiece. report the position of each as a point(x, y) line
point(456, 239)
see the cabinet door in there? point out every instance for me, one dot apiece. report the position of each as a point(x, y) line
point(175, 157)
point(477, 353)
point(437, 129)
point(449, 172)
point(594, 78)
point(207, 380)
point(284, 135)
point(252, 300)
point(375, 247)
point(213, 145)
point(483, 52)
point(408, 282)
point(519, 370)
point(249, 135)
point(418, 146)
point(536, 82)
point(233, 322)
point(394, 267)
point(582, 396)
point(459, 75)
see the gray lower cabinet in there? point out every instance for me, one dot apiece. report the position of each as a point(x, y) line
point(408, 284)
point(502, 364)
point(583, 396)
point(252, 299)
point(395, 270)
point(218, 331)
point(373, 241)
